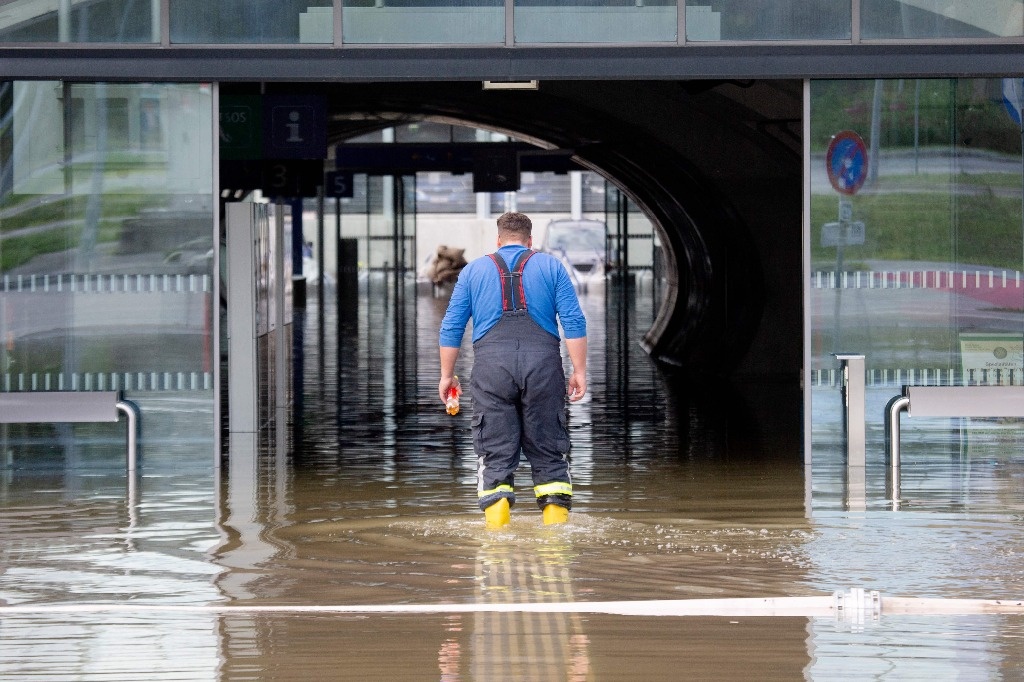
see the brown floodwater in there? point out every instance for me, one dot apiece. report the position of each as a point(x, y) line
point(683, 491)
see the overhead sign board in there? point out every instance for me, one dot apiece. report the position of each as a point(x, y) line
point(284, 178)
point(241, 127)
point(292, 177)
point(294, 127)
point(338, 184)
point(377, 158)
point(272, 127)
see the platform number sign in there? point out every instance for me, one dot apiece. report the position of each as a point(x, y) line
point(338, 184)
point(846, 162)
point(291, 177)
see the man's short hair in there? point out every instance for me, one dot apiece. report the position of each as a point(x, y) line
point(515, 226)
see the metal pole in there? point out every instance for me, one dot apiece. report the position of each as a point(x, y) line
point(892, 432)
point(131, 413)
point(853, 404)
point(575, 195)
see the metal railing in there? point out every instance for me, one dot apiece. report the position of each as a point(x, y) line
point(947, 401)
point(55, 407)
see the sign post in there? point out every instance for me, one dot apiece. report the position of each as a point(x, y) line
point(847, 165)
point(1013, 100)
point(846, 161)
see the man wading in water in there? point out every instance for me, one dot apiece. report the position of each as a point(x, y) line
point(516, 298)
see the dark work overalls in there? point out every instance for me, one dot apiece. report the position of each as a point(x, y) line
point(518, 389)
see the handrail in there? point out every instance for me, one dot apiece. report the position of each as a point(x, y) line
point(893, 409)
point(41, 407)
point(945, 401)
point(131, 412)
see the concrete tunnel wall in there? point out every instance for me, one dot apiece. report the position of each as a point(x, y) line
point(716, 165)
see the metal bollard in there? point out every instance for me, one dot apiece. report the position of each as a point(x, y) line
point(853, 407)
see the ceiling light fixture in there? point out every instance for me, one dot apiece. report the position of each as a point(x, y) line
point(511, 85)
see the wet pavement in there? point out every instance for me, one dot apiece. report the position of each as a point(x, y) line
point(682, 492)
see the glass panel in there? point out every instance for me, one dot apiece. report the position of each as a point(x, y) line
point(251, 21)
point(539, 194)
point(595, 191)
point(380, 218)
point(423, 21)
point(355, 215)
point(107, 250)
point(101, 21)
point(941, 18)
point(424, 131)
point(595, 21)
point(438, 192)
point(920, 268)
point(713, 20)
point(379, 221)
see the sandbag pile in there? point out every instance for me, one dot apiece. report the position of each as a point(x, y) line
point(446, 265)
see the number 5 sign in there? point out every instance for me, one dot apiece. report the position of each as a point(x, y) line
point(338, 184)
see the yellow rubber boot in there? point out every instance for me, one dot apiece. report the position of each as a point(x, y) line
point(497, 515)
point(554, 513)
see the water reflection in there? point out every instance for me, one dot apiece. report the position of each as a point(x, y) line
point(520, 644)
point(683, 492)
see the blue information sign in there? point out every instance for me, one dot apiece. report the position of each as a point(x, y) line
point(294, 127)
point(847, 162)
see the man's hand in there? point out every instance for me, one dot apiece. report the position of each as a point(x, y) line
point(577, 386)
point(443, 386)
point(448, 357)
point(578, 356)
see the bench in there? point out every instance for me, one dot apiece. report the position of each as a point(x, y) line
point(948, 401)
point(72, 406)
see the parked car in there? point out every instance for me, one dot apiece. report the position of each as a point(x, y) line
point(579, 243)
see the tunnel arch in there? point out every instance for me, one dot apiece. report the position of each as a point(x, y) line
point(714, 303)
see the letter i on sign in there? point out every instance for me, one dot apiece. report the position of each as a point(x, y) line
point(293, 126)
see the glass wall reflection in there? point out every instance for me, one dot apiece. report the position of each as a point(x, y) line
point(415, 21)
point(483, 22)
point(941, 19)
point(713, 20)
point(251, 21)
point(107, 252)
point(921, 268)
point(595, 21)
point(99, 21)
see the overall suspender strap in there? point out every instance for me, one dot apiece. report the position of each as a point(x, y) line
point(512, 281)
point(507, 302)
point(519, 276)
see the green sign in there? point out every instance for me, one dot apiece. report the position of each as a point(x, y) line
point(241, 127)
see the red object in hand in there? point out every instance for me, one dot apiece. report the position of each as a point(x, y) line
point(454, 391)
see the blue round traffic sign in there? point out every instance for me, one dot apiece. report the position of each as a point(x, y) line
point(847, 162)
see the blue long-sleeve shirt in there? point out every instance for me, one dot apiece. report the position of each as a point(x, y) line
point(550, 298)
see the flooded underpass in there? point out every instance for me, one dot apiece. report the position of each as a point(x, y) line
point(699, 545)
